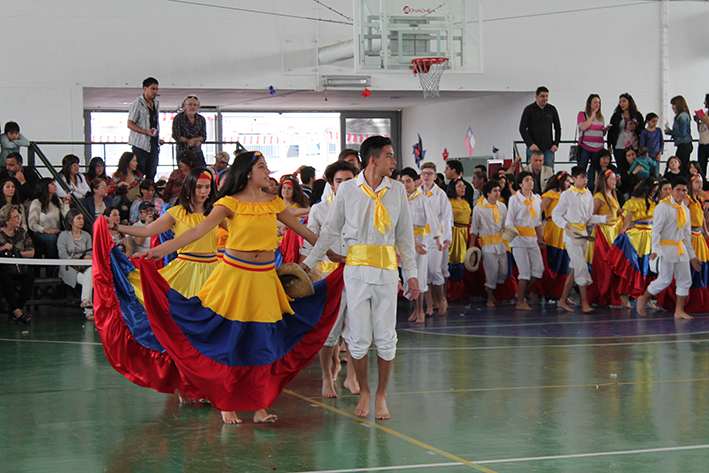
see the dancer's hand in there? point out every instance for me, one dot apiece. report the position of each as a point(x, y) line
point(446, 244)
point(695, 264)
point(109, 222)
point(155, 253)
point(421, 249)
point(413, 293)
point(653, 255)
point(334, 257)
point(305, 268)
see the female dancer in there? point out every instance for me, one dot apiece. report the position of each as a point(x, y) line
point(456, 253)
point(297, 204)
point(239, 340)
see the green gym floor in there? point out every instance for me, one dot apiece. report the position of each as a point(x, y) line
point(477, 390)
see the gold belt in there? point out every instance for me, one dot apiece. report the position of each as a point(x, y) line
point(328, 267)
point(526, 231)
point(422, 231)
point(491, 239)
point(678, 244)
point(376, 256)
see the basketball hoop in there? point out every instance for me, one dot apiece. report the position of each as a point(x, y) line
point(429, 71)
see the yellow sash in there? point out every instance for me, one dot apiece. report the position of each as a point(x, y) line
point(526, 231)
point(413, 196)
point(329, 197)
point(580, 227)
point(495, 212)
point(491, 239)
point(422, 231)
point(381, 214)
point(681, 214)
point(376, 256)
point(327, 267)
point(576, 189)
point(529, 203)
point(678, 244)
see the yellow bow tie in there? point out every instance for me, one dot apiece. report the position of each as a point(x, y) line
point(413, 196)
point(681, 215)
point(329, 197)
point(576, 189)
point(495, 212)
point(528, 203)
point(381, 215)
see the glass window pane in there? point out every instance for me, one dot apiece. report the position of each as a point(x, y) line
point(359, 129)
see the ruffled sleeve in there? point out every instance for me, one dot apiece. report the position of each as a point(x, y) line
point(635, 206)
point(276, 206)
point(550, 195)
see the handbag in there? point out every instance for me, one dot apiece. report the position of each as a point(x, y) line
point(575, 149)
point(14, 269)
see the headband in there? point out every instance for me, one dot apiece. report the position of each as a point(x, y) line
point(695, 176)
point(562, 174)
point(205, 175)
point(607, 173)
point(257, 154)
point(288, 183)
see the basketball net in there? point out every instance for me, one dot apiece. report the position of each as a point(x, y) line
point(429, 71)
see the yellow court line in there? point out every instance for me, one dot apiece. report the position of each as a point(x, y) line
point(389, 431)
point(627, 383)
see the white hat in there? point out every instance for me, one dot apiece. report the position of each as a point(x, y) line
point(579, 237)
point(472, 259)
point(509, 233)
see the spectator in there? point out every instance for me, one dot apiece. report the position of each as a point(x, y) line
point(44, 219)
point(674, 170)
point(540, 172)
point(681, 130)
point(97, 168)
point(480, 167)
point(294, 198)
point(600, 164)
point(307, 178)
point(626, 125)
point(703, 127)
point(148, 193)
point(189, 129)
point(221, 162)
point(73, 178)
point(10, 141)
point(9, 195)
point(25, 177)
point(146, 216)
point(643, 164)
point(536, 124)
point(16, 240)
point(124, 187)
point(121, 241)
point(591, 131)
point(479, 178)
point(454, 172)
point(144, 128)
point(97, 202)
point(185, 162)
point(75, 243)
point(651, 137)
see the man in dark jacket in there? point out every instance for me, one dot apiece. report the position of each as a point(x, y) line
point(25, 177)
point(536, 125)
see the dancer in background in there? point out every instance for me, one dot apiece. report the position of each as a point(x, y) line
point(459, 243)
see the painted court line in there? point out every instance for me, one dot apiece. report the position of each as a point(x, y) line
point(570, 345)
point(517, 460)
point(459, 461)
point(543, 338)
point(60, 342)
point(569, 322)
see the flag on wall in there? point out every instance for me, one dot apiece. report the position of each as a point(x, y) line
point(469, 141)
point(419, 152)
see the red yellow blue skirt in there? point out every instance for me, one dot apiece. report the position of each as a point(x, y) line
point(698, 299)
point(629, 256)
point(475, 282)
point(604, 289)
point(556, 263)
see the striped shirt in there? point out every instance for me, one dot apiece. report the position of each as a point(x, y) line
point(590, 139)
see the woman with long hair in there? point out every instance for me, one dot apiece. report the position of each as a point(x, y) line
point(98, 201)
point(599, 165)
point(75, 243)
point(702, 119)
point(626, 125)
point(10, 195)
point(297, 204)
point(148, 193)
point(124, 186)
point(14, 238)
point(96, 168)
point(120, 239)
point(459, 245)
point(71, 174)
point(681, 131)
point(185, 163)
point(591, 129)
point(44, 219)
point(505, 189)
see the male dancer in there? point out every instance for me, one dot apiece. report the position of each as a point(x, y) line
point(425, 223)
point(373, 213)
point(575, 211)
point(524, 213)
point(437, 259)
point(672, 243)
point(335, 174)
point(488, 222)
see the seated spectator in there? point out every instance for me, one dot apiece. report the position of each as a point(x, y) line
point(75, 243)
point(44, 219)
point(148, 193)
point(599, 165)
point(14, 238)
point(119, 239)
point(674, 169)
point(73, 178)
point(540, 172)
point(9, 195)
point(97, 168)
point(97, 201)
point(221, 163)
point(25, 177)
point(146, 216)
point(185, 162)
point(10, 141)
point(124, 187)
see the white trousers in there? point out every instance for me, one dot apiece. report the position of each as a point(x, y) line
point(577, 262)
point(529, 262)
point(681, 272)
point(437, 260)
point(336, 331)
point(370, 317)
point(87, 287)
point(495, 269)
point(421, 274)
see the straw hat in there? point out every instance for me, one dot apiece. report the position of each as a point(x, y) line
point(578, 237)
point(509, 233)
point(315, 275)
point(472, 259)
point(294, 280)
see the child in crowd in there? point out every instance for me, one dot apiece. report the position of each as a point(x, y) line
point(651, 137)
point(643, 165)
point(10, 141)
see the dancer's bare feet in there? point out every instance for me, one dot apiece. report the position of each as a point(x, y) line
point(380, 407)
point(328, 389)
point(534, 298)
point(352, 385)
point(585, 308)
point(625, 300)
point(565, 306)
point(413, 317)
point(230, 418)
point(421, 319)
point(652, 305)
point(570, 302)
point(185, 399)
point(642, 304)
point(490, 303)
point(523, 306)
point(362, 408)
point(263, 417)
point(443, 307)
point(682, 315)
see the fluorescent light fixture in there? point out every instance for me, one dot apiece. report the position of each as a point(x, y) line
point(346, 81)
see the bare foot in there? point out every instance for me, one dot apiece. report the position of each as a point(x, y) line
point(490, 303)
point(412, 318)
point(683, 315)
point(534, 298)
point(570, 302)
point(380, 407)
point(421, 319)
point(185, 399)
point(328, 389)
point(362, 408)
point(522, 306)
point(565, 306)
point(585, 308)
point(429, 312)
point(442, 307)
point(230, 418)
point(652, 305)
point(642, 305)
point(352, 385)
point(625, 299)
point(263, 417)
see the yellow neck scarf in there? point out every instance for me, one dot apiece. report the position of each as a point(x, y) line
point(528, 203)
point(495, 212)
point(413, 196)
point(681, 214)
point(576, 189)
point(381, 215)
point(329, 197)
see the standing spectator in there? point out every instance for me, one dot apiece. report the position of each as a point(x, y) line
point(454, 172)
point(14, 238)
point(97, 168)
point(124, 187)
point(148, 193)
point(75, 243)
point(25, 177)
point(703, 127)
point(73, 178)
point(189, 129)
point(479, 178)
point(307, 178)
point(98, 201)
point(146, 216)
point(651, 137)
point(626, 125)
point(9, 195)
point(681, 130)
point(591, 131)
point(540, 172)
point(44, 219)
point(536, 124)
point(185, 162)
point(144, 128)
point(10, 141)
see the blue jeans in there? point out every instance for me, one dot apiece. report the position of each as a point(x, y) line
point(148, 161)
point(548, 157)
point(585, 157)
point(48, 243)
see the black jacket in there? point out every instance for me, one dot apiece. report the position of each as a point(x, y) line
point(614, 131)
point(536, 124)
